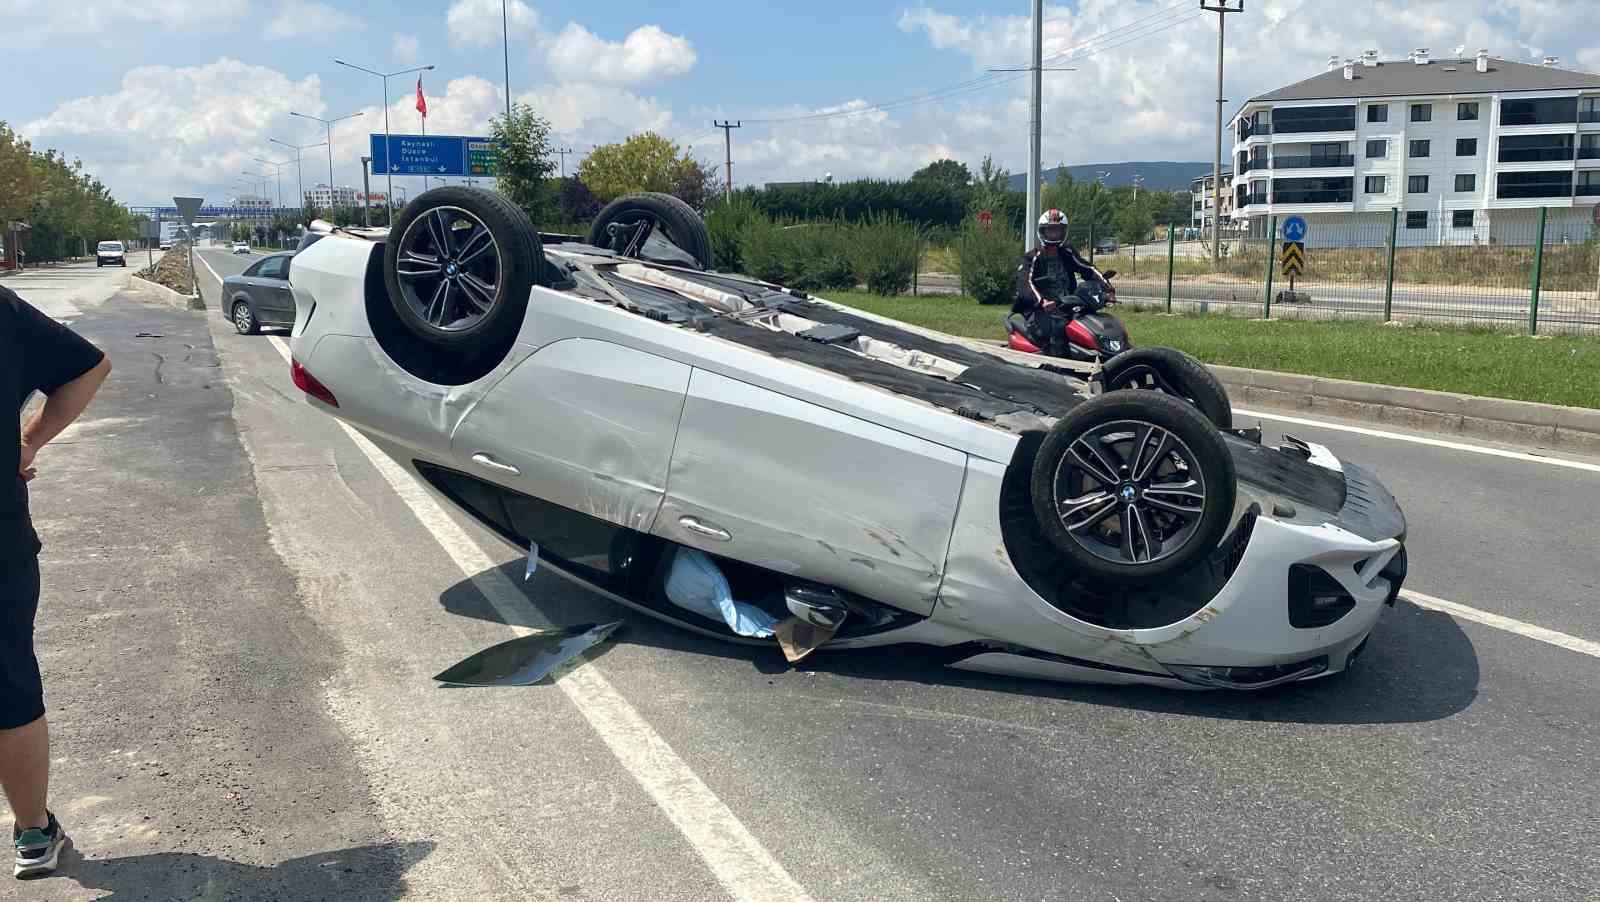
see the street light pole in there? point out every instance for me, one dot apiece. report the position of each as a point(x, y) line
point(299, 177)
point(1035, 122)
point(388, 156)
point(505, 36)
point(279, 176)
point(1221, 8)
point(328, 124)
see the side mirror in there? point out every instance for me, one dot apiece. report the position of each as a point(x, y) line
point(1111, 274)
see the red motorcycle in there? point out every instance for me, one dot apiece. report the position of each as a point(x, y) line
point(1091, 333)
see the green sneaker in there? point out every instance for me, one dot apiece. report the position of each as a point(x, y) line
point(37, 850)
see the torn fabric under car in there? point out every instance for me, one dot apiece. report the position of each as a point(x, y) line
point(526, 660)
point(696, 584)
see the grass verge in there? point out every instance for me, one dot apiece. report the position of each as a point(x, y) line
point(1555, 370)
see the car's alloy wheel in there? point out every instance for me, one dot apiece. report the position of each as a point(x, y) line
point(1171, 372)
point(244, 322)
point(449, 269)
point(1132, 486)
point(626, 223)
point(1130, 491)
point(458, 267)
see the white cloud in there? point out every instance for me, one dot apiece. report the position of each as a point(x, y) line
point(1143, 91)
point(310, 19)
point(648, 52)
point(404, 48)
point(170, 130)
point(32, 22)
point(477, 23)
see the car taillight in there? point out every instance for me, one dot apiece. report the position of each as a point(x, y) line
point(1079, 334)
point(308, 383)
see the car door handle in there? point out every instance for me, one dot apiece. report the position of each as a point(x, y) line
point(491, 463)
point(693, 524)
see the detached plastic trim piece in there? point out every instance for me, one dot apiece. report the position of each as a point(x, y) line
point(526, 660)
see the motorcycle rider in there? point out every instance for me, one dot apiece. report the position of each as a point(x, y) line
point(1047, 274)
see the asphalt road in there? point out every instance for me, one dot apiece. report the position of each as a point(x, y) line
point(1567, 311)
point(242, 613)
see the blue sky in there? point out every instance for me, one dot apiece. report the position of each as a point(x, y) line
point(172, 96)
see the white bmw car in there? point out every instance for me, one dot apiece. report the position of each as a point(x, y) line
point(754, 464)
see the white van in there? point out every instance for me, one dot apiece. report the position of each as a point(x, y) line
point(110, 253)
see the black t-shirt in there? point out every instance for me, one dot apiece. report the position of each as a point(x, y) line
point(36, 354)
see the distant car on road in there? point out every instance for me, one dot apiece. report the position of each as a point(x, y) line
point(1106, 246)
point(239, 247)
point(166, 245)
point(110, 253)
point(260, 295)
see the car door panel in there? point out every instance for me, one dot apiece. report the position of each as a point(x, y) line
point(270, 289)
point(785, 484)
point(585, 424)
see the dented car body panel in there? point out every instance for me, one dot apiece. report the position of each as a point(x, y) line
point(658, 432)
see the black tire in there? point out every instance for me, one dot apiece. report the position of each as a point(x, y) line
point(683, 226)
point(1174, 373)
point(244, 319)
point(1164, 474)
point(467, 296)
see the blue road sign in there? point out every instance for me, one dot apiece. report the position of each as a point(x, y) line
point(1294, 229)
point(437, 155)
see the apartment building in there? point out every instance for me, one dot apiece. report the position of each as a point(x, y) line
point(1467, 149)
point(1202, 199)
point(321, 195)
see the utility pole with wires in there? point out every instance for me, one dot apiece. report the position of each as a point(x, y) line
point(563, 151)
point(727, 144)
point(1035, 121)
point(1221, 8)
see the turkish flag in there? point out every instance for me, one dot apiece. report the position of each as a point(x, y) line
point(422, 102)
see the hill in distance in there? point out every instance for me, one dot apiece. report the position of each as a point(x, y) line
point(1158, 176)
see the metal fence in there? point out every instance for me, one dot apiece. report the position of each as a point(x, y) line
point(1533, 271)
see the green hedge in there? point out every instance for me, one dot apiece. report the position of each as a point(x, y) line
point(881, 252)
point(988, 260)
point(923, 203)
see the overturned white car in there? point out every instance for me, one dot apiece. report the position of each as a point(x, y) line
point(651, 428)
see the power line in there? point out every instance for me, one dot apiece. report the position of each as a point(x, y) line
point(1141, 27)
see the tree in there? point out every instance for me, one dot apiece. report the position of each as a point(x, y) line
point(945, 172)
point(1133, 222)
point(576, 202)
point(697, 184)
point(646, 162)
point(526, 161)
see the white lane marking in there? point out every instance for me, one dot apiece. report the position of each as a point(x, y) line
point(202, 258)
point(737, 859)
point(1421, 440)
point(1462, 612)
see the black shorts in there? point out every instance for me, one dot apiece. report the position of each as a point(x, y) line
point(21, 690)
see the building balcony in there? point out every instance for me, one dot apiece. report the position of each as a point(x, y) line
point(1313, 162)
point(1589, 153)
point(1535, 155)
point(1586, 191)
point(1252, 200)
point(1282, 198)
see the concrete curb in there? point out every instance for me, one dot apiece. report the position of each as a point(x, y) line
point(155, 291)
point(1496, 419)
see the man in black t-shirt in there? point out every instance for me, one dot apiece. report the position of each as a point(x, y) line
point(36, 354)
